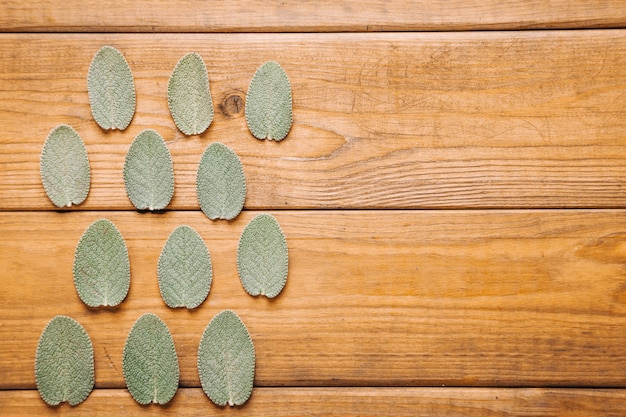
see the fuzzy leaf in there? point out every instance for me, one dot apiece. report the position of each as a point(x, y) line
point(101, 265)
point(64, 366)
point(64, 167)
point(262, 257)
point(226, 360)
point(185, 270)
point(189, 97)
point(268, 103)
point(149, 172)
point(111, 89)
point(220, 183)
point(149, 361)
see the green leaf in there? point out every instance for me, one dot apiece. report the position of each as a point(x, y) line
point(220, 183)
point(226, 360)
point(185, 270)
point(149, 361)
point(262, 257)
point(64, 366)
point(111, 89)
point(101, 265)
point(268, 103)
point(149, 172)
point(64, 167)
point(189, 97)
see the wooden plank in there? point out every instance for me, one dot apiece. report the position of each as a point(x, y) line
point(461, 120)
point(383, 298)
point(284, 402)
point(310, 16)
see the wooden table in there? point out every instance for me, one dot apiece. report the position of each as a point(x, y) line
point(453, 192)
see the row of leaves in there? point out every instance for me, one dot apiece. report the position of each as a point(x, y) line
point(102, 265)
point(111, 90)
point(148, 174)
point(64, 362)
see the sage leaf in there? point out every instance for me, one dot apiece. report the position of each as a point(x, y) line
point(64, 167)
point(226, 360)
point(111, 89)
point(101, 265)
point(185, 270)
point(268, 103)
point(149, 361)
point(220, 183)
point(149, 172)
point(64, 365)
point(262, 257)
point(189, 97)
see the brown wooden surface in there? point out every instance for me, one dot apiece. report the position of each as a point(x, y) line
point(408, 120)
point(512, 303)
point(305, 16)
point(283, 402)
point(373, 298)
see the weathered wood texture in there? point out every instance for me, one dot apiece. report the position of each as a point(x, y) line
point(450, 120)
point(284, 402)
point(380, 304)
point(374, 298)
point(309, 16)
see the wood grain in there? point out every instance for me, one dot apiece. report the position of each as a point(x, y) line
point(373, 298)
point(285, 402)
point(451, 120)
point(461, 105)
point(309, 16)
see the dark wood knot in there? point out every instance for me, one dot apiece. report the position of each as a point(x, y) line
point(232, 105)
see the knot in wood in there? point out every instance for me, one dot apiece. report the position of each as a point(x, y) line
point(232, 105)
